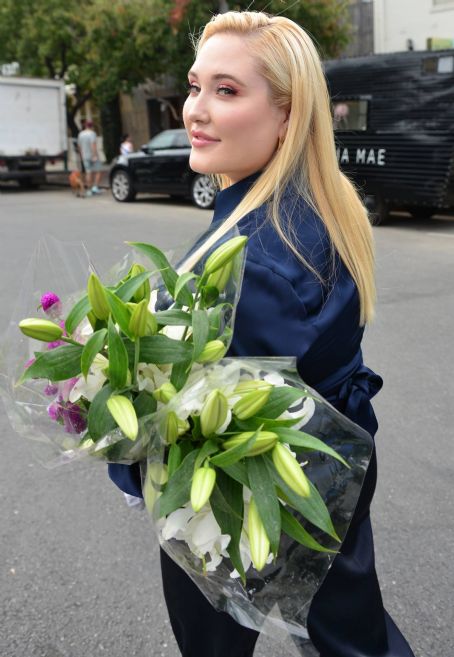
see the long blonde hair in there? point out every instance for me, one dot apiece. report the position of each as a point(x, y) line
point(289, 61)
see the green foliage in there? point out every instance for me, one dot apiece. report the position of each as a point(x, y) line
point(107, 46)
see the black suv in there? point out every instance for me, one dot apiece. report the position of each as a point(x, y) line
point(161, 166)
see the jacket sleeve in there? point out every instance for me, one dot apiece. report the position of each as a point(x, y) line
point(271, 318)
point(126, 477)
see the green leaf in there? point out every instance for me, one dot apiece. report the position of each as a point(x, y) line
point(227, 505)
point(178, 488)
point(94, 345)
point(118, 358)
point(308, 442)
point(215, 319)
point(120, 312)
point(237, 471)
point(209, 447)
point(280, 399)
point(200, 329)
point(181, 288)
point(312, 508)
point(234, 454)
point(295, 530)
point(56, 364)
point(161, 350)
point(127, 290)
point(169, 275)
point(174, 459)
point(76, 314)
point(173, 317)
point(210, 295)
point(145, 404)
point(180, 373)
point(264, 493)
point(100, 420)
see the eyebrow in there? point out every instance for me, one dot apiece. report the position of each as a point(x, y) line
point(219, 76)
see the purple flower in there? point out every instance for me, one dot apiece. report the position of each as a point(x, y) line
point(55, 344)
point(51, 389)
point(54, 411)
point(74, 418)
point(51, 304)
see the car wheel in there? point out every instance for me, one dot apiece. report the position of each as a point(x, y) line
point(121, 186)
point(203, 192)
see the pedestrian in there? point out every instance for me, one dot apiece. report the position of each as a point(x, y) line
point(258, 116)
point(126, 146)
point(88, 148)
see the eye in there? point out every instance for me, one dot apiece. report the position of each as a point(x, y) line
point(226, 91)
point(192, 88)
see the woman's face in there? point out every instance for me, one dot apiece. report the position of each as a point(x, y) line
point(233, 126)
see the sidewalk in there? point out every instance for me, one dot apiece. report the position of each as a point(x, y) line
point(60, 178)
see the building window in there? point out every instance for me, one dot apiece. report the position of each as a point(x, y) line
point(350, 114)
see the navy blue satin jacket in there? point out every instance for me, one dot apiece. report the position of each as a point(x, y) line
point(286, 310)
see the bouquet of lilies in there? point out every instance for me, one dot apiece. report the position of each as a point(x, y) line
point(232, 481)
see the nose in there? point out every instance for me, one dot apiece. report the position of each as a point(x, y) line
point(196, 109)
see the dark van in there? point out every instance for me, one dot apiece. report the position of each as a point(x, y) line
point(394, 121)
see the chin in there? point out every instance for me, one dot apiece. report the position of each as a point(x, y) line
point(202, 167)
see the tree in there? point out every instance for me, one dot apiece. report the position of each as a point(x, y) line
point(103, 47)
point(325, 20)
point(100, 47)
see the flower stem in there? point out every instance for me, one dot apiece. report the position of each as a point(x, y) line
point(136, 359)
point(71, 341)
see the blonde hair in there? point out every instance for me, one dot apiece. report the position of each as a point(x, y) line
point(306, 158)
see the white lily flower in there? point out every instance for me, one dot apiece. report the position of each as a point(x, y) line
point(95, 381)
point(200, 531)
point(150, 376)
point(304, 414)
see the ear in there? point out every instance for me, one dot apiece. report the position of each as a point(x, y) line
point(284, 124)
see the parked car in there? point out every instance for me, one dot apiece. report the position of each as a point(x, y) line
point(161, 166)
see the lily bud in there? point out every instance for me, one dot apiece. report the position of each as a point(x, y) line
point(213, 350)
point(139, 318)
point(258, 540)
point(214, 412)
point(183, 426)
point(224, 253)
point(98, 297)
point(41, 329)
point(290, 470)
point(124, 414)
point(219, 278)
point(170, 428)
point(158, 473)
point(143, 292)
point(202, 486)
point(250, 404)
point(243, 387)
point(265, 441)
point(165, 393)
point(152, 324)
point(92, 319)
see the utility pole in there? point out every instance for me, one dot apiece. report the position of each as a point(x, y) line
point(223, 6)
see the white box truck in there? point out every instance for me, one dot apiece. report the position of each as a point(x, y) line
point(32, 128)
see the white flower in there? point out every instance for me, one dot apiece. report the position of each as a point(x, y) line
point(150, 377)
point(200, 531)
point(304, 414)
point(95, 381)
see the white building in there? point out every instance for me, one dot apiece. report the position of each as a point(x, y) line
point(410, 24)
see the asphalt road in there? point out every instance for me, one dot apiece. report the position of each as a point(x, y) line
point(79, 573)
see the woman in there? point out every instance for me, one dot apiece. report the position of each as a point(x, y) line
point(126, 146)
point(258, 115)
